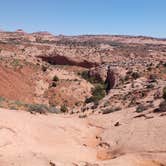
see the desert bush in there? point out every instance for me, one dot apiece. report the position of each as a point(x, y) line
point(97, 94)
point(44, 68)
point(91, 79)
point(164, 93)
point(53, 109)
point(149, 69)
point(38, 108)
point(162, 107)
point(18, 103)
point(55, 78)
point(85, 75)
point(99, 91)
point(15, 62)
point(135, 75)
point(2, 99)
point(141, 108)
point(89, 100)
point(126, 78)
point(82, 116)
point(63, 108)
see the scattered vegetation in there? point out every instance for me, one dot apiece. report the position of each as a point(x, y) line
point(92, 79)
point(16, 63)
point(82, 116)
point(99, 90)
point(38, 108)
point(73, 43)
point(53, 109)
point(33, 108)
point(54, 81)
point(63, 108)
point(97, 94)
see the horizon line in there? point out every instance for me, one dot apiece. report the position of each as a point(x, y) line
point(84, 34)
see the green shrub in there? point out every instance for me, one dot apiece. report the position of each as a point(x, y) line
point(89, 100)
point(82, 116)
point(63, 108)
point(126, 78)
point(162, 107)
point(15, 62)
point(44, 68)
point(53, 109)
point(53, 84)
point(55, 78)
point(18, 103)
point(85, 75)
point(2, 99)
point(135, 75)
point(98, 91)
point(91, 79)
point(141, 108)
point(164, 93)
point(97, 94)
point(38, 108)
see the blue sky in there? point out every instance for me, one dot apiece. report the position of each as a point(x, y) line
point(73, 17)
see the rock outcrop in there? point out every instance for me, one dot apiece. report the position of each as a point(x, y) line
point(108, 75)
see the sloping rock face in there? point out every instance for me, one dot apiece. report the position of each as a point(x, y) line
point(17, 84)
point(62, 60)
point(70, 141)
point(106, 74)
point(110, 80)
point(100, 73)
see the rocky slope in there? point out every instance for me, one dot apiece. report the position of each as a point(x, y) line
point(107, 91)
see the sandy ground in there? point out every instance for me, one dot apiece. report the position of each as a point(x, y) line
point(41, 140)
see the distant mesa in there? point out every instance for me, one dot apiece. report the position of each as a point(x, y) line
point(20, 31)
point(43, 33)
